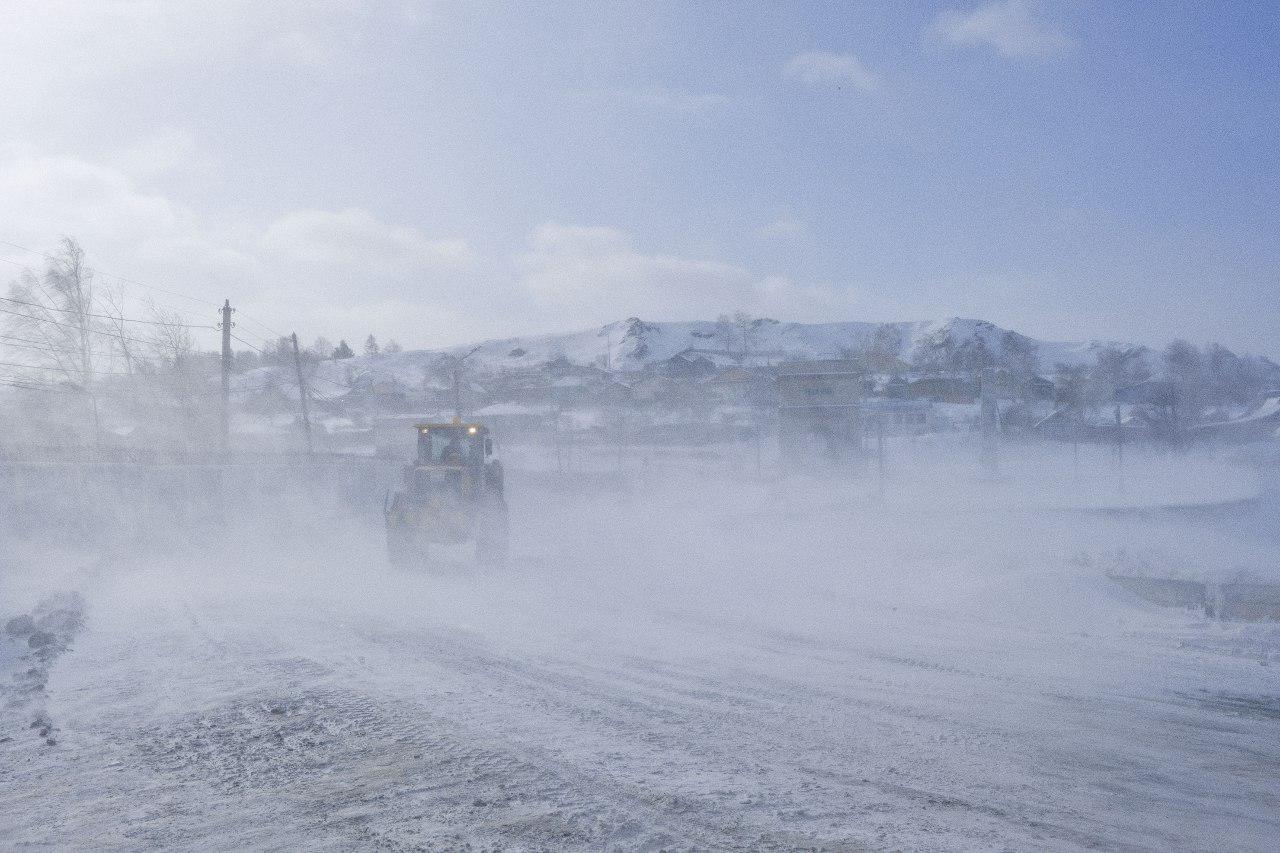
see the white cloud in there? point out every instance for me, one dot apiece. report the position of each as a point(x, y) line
point(354, 236)
point(585, 275)
point(65, 48)
point(337, 268)
point(315, 270)
point(821, 68)
point(345, 273)
point(1008, 26)
point(42, 197)
point(170, 154)
point(596, 272)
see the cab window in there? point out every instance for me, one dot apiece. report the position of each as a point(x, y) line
point(448, 445)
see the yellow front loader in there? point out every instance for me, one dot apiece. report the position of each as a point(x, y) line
point(452, 495)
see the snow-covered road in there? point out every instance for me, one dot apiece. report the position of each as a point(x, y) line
point(709, 668)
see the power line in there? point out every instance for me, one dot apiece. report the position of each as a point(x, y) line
point(135, 282)
point(27, 387)
point(260, 325)
point(265, 340)
point(34, 344)
point(75, 328)
point(50, 257)
point(120, 319)
point(23, 340)
point(249, 345)
point(60, 369)
point(332, 382)
point(34, 385)
point(40, 348)
point(110, 316)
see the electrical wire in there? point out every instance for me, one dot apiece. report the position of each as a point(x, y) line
point(260, 325)
point(76, 328)
point(105, 316)
point(332, 382)
point(60, 369)
point(28, 343)
point(136, 283)
point(38, 348)
point(50, 257)
point(18, 382)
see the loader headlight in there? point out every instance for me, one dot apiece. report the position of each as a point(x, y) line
point(471, 430)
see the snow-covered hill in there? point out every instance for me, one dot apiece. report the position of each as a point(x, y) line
point(633, 344)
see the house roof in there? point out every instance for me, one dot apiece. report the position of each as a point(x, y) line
point(821, 367)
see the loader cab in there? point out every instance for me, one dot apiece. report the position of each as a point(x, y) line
point(463, 445)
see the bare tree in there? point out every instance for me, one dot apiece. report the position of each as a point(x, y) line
point(1118, 367)
point(882, 352)
point(1072, 389)
point(57, 310)
point(125, 345)
point(170, 339)
point(739, 333)
point(182, 374)
point(1020, 361)
point(455, 366)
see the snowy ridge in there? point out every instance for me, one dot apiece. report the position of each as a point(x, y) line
point(634, 344)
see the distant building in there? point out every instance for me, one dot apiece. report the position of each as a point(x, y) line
point(513, 422)
point(1261, 423)
point(896, 417)
point(945, 388)
point(689, 364)
point(819, 423)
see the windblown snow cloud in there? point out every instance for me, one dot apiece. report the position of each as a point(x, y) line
point(348, 272)
point(822, 68)
point(318, 268)
point(98, 38)
point(1007, 26)
point(596, 274)
point(597, 270)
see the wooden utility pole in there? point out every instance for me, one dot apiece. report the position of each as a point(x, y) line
point(880, 466)
point(302, 391)
point(1119, 449)
point(458, 366)
point(225, 326)
point(457, 393)
point(989, 423)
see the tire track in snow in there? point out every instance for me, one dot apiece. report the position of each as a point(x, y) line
point(743, 741)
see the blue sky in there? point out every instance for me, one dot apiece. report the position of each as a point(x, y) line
point(442, 171)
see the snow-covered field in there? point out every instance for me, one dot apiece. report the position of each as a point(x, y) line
point(697, 666)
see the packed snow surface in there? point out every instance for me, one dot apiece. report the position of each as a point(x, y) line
point(682, 664)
